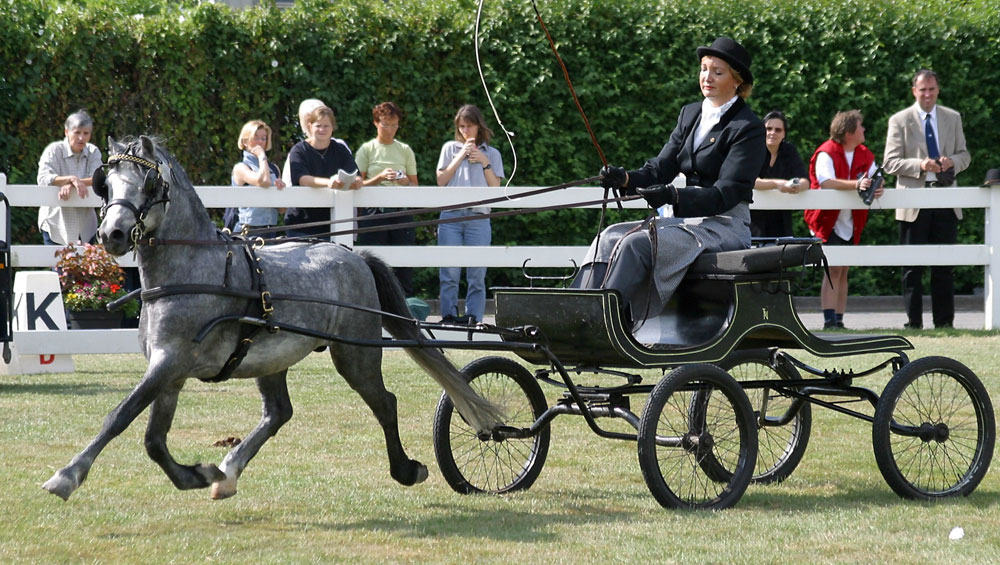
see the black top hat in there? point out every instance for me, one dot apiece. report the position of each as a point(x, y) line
point(992, 178)
point(732, 53)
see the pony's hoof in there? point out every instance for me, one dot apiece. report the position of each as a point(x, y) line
point(224, 486)
point(210, 473)
point(421, 474)
point(223, 489)
point(60, 485)
point(414, 472)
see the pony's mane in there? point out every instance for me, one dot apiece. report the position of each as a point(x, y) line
point(133, 142)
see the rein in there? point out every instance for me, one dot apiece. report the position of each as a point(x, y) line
point(259, 241)
point(445, 208)
point(254, 237)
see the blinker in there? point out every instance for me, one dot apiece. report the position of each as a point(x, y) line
point(100, 183)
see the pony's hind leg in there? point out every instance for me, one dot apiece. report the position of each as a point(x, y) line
point(277, 410)
point(161, 416)
point(361, 367)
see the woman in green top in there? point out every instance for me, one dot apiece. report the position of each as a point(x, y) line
point(387, 161)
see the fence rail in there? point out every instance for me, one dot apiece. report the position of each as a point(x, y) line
point(343, 203)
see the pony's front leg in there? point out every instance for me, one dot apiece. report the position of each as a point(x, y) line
point(161, 416)
point(70, 477)
point(276, 411)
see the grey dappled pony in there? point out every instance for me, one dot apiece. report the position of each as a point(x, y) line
point(143, 181)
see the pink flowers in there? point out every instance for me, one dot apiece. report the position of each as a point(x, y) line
point(91, 279)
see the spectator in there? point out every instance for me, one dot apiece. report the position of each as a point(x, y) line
point(386, 161)
point(718, 144)
point(783, 171)
point(925, 146)
point(841, 163)
point(69, 164)
point(306, 106)
point(469, 160)
point(255, 170)
point(315, 162)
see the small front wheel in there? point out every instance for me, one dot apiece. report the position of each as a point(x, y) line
point(675, 439)
point(934, 431)
point(502, 462)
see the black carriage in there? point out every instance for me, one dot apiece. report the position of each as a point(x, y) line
point(733, 404)
point(728, 332)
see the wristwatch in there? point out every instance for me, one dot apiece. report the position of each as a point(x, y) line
point(487, 166)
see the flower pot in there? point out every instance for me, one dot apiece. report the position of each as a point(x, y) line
point(94, 319)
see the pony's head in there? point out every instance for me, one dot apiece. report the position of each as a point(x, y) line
point(136, 192)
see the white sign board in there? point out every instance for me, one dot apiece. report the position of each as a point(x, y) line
point(38, 306)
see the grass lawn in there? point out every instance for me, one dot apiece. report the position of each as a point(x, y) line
point(320, 491)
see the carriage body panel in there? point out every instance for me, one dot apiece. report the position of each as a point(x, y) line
point(730, 300)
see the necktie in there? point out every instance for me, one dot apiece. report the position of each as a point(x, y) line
point(932, 146)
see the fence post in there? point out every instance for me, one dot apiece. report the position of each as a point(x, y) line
point(991, 306)
point(343, 208)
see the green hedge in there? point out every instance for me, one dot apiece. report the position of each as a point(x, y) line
point(193, 73)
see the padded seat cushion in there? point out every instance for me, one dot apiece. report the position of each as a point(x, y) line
point(770, 259)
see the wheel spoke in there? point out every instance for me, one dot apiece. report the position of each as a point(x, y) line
point(781, 447)
point(709, 460)
point(471, 464)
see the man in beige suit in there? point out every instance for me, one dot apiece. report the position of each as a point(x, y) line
point(925, 147)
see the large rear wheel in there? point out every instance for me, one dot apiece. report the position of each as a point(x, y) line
point(502, 462)
point(674, 441)
point(934, 430)
point(783, 422)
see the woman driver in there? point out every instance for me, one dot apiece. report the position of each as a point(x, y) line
point(719, 146)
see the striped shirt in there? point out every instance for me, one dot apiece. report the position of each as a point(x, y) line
point(70, 224)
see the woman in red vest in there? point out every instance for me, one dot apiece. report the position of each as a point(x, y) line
point(841, 163)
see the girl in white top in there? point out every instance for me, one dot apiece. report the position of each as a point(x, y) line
point(469, 160)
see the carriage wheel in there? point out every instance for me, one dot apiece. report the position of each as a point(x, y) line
point(473, 464)
point(673, 445)
point(933, 431)
point(783, 425)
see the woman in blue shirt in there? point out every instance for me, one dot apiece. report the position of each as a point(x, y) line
point(255, 170)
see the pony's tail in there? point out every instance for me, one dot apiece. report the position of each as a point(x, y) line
point(480, 413)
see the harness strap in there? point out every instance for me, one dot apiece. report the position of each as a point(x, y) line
point(162, 193)
point(179, 289)
point(117, 157)
point(262, 309)
point(229, 265)
point(266, 301)
point(247, 333)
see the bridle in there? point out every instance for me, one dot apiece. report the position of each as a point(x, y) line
point(152, 183)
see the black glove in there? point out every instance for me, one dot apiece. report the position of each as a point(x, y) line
point(657, 195)
point(613, 177)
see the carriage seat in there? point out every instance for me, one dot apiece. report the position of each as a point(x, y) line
point(758, 260)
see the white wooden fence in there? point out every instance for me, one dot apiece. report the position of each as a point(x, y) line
point(343, 203)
